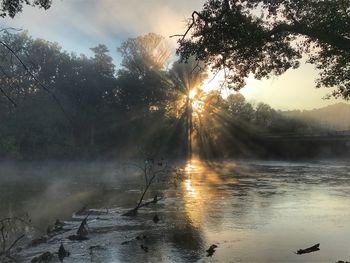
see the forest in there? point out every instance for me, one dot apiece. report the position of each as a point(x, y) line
point(56, 104)
point(200, 142)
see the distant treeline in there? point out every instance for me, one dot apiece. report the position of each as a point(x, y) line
point(59, 105)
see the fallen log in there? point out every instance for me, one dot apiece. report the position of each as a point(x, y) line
point(133, 212)
point(314, 248)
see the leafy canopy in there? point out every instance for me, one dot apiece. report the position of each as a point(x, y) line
point(12, 7)
point(268, 37)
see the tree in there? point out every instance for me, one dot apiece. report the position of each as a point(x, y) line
point(239, 108)
point(141, 85)
point(264, 115)
point(143, 91)
point(12, 7)
point(84, 86)
point(144, 53)
point(184, 78)
point(88, 84)
point(264, 37)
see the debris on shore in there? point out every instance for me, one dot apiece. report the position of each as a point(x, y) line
point(211, 250)
point(314, 248)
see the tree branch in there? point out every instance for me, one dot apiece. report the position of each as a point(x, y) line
point(3, 91)
point(205, 19)
point(36, 79)
point(332, 39)
point(189, 27)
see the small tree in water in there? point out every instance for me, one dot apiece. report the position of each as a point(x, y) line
point(151, 168)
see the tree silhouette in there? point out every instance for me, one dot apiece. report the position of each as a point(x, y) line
point(12, 7)
point(264, 37)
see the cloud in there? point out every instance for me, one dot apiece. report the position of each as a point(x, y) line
point(78, 25)
point(160, 16)
point(81, 23)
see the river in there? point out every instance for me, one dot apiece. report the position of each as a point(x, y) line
point(254, 211)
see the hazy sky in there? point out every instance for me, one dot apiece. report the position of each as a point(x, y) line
point(78, 25)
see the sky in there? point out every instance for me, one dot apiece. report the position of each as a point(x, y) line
point(78, 25)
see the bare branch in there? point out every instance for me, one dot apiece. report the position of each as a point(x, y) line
point(205, 19)
point(36, 79)
point(189, 27)
point(3, 91)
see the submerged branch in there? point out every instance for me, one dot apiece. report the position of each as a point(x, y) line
point(133, 212)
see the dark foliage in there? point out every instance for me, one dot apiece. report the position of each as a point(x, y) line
point(109, 112)
point(12, 7)
point(263, 38)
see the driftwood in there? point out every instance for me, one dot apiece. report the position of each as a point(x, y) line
point(308, 250)
point(62, 253)
point(82, 231)
point(133, 212)
point(150, 173)
point(211, 250)
point(134, 239)
point(154, 201)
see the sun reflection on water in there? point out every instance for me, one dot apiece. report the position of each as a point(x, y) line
point(189, 188)
point(201, 190)
point(196, 190)
point(194, 166)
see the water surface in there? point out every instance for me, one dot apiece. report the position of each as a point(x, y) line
point(253, 211)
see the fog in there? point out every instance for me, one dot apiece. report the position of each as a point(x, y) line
point(55, 189)
point(135, 152)
point(229, 203)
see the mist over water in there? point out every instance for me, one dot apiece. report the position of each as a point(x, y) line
point(133, 152)
point(271, 207)
point(51, 190)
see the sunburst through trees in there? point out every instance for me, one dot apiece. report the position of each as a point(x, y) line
point(146, 102)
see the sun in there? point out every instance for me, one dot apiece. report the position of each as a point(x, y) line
point(192, 94)
point(195, 96)
point(197, 106)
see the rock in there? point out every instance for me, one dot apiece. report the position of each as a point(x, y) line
point(156, 219)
